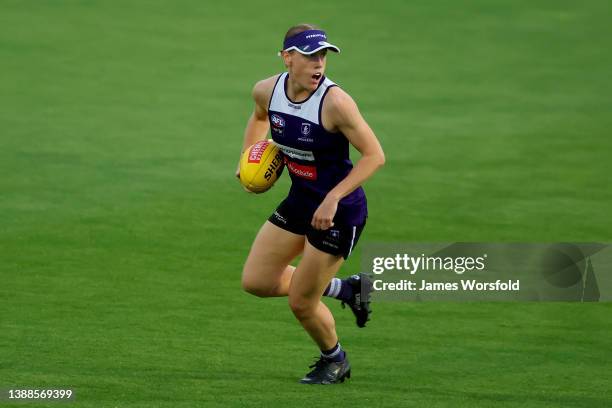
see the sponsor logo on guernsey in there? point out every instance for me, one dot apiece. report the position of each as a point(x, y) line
point(300, 170)
point(305, 128)
point(293, 153)
point(291, 105)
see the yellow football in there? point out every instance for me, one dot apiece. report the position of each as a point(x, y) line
point(260, 166)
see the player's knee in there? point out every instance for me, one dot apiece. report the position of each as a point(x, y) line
point(301, 307)
point(255, 286)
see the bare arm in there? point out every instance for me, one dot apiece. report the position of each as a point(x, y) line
point(342, 114)
point(258, 126)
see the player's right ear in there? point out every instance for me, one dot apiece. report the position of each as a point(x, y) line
point(286, 56)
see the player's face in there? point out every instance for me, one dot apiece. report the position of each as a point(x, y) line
point(307, 70)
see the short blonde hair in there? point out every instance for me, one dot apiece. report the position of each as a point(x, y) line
point(300, 28)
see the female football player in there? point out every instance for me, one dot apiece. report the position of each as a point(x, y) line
point(312, 120)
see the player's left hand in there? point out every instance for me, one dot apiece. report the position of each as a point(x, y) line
point(323, 218)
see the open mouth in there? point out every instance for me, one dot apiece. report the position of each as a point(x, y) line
point(317, 76)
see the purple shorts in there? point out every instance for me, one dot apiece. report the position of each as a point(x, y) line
point(337, 240)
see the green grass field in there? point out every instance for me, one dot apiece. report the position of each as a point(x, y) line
point(123, 231)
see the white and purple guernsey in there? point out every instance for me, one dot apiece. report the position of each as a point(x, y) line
point(316, 159)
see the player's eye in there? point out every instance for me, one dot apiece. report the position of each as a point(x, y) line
point(317, 55)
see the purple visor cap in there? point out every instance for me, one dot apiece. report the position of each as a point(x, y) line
point(308, 42)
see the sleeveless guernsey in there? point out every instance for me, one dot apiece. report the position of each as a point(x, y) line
point(317, 160)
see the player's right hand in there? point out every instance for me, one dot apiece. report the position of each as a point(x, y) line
point(238, 177)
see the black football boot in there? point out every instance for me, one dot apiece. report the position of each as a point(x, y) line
point(328, 372)
point(360, 301)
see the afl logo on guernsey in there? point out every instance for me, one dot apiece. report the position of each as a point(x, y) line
point(277, 121)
